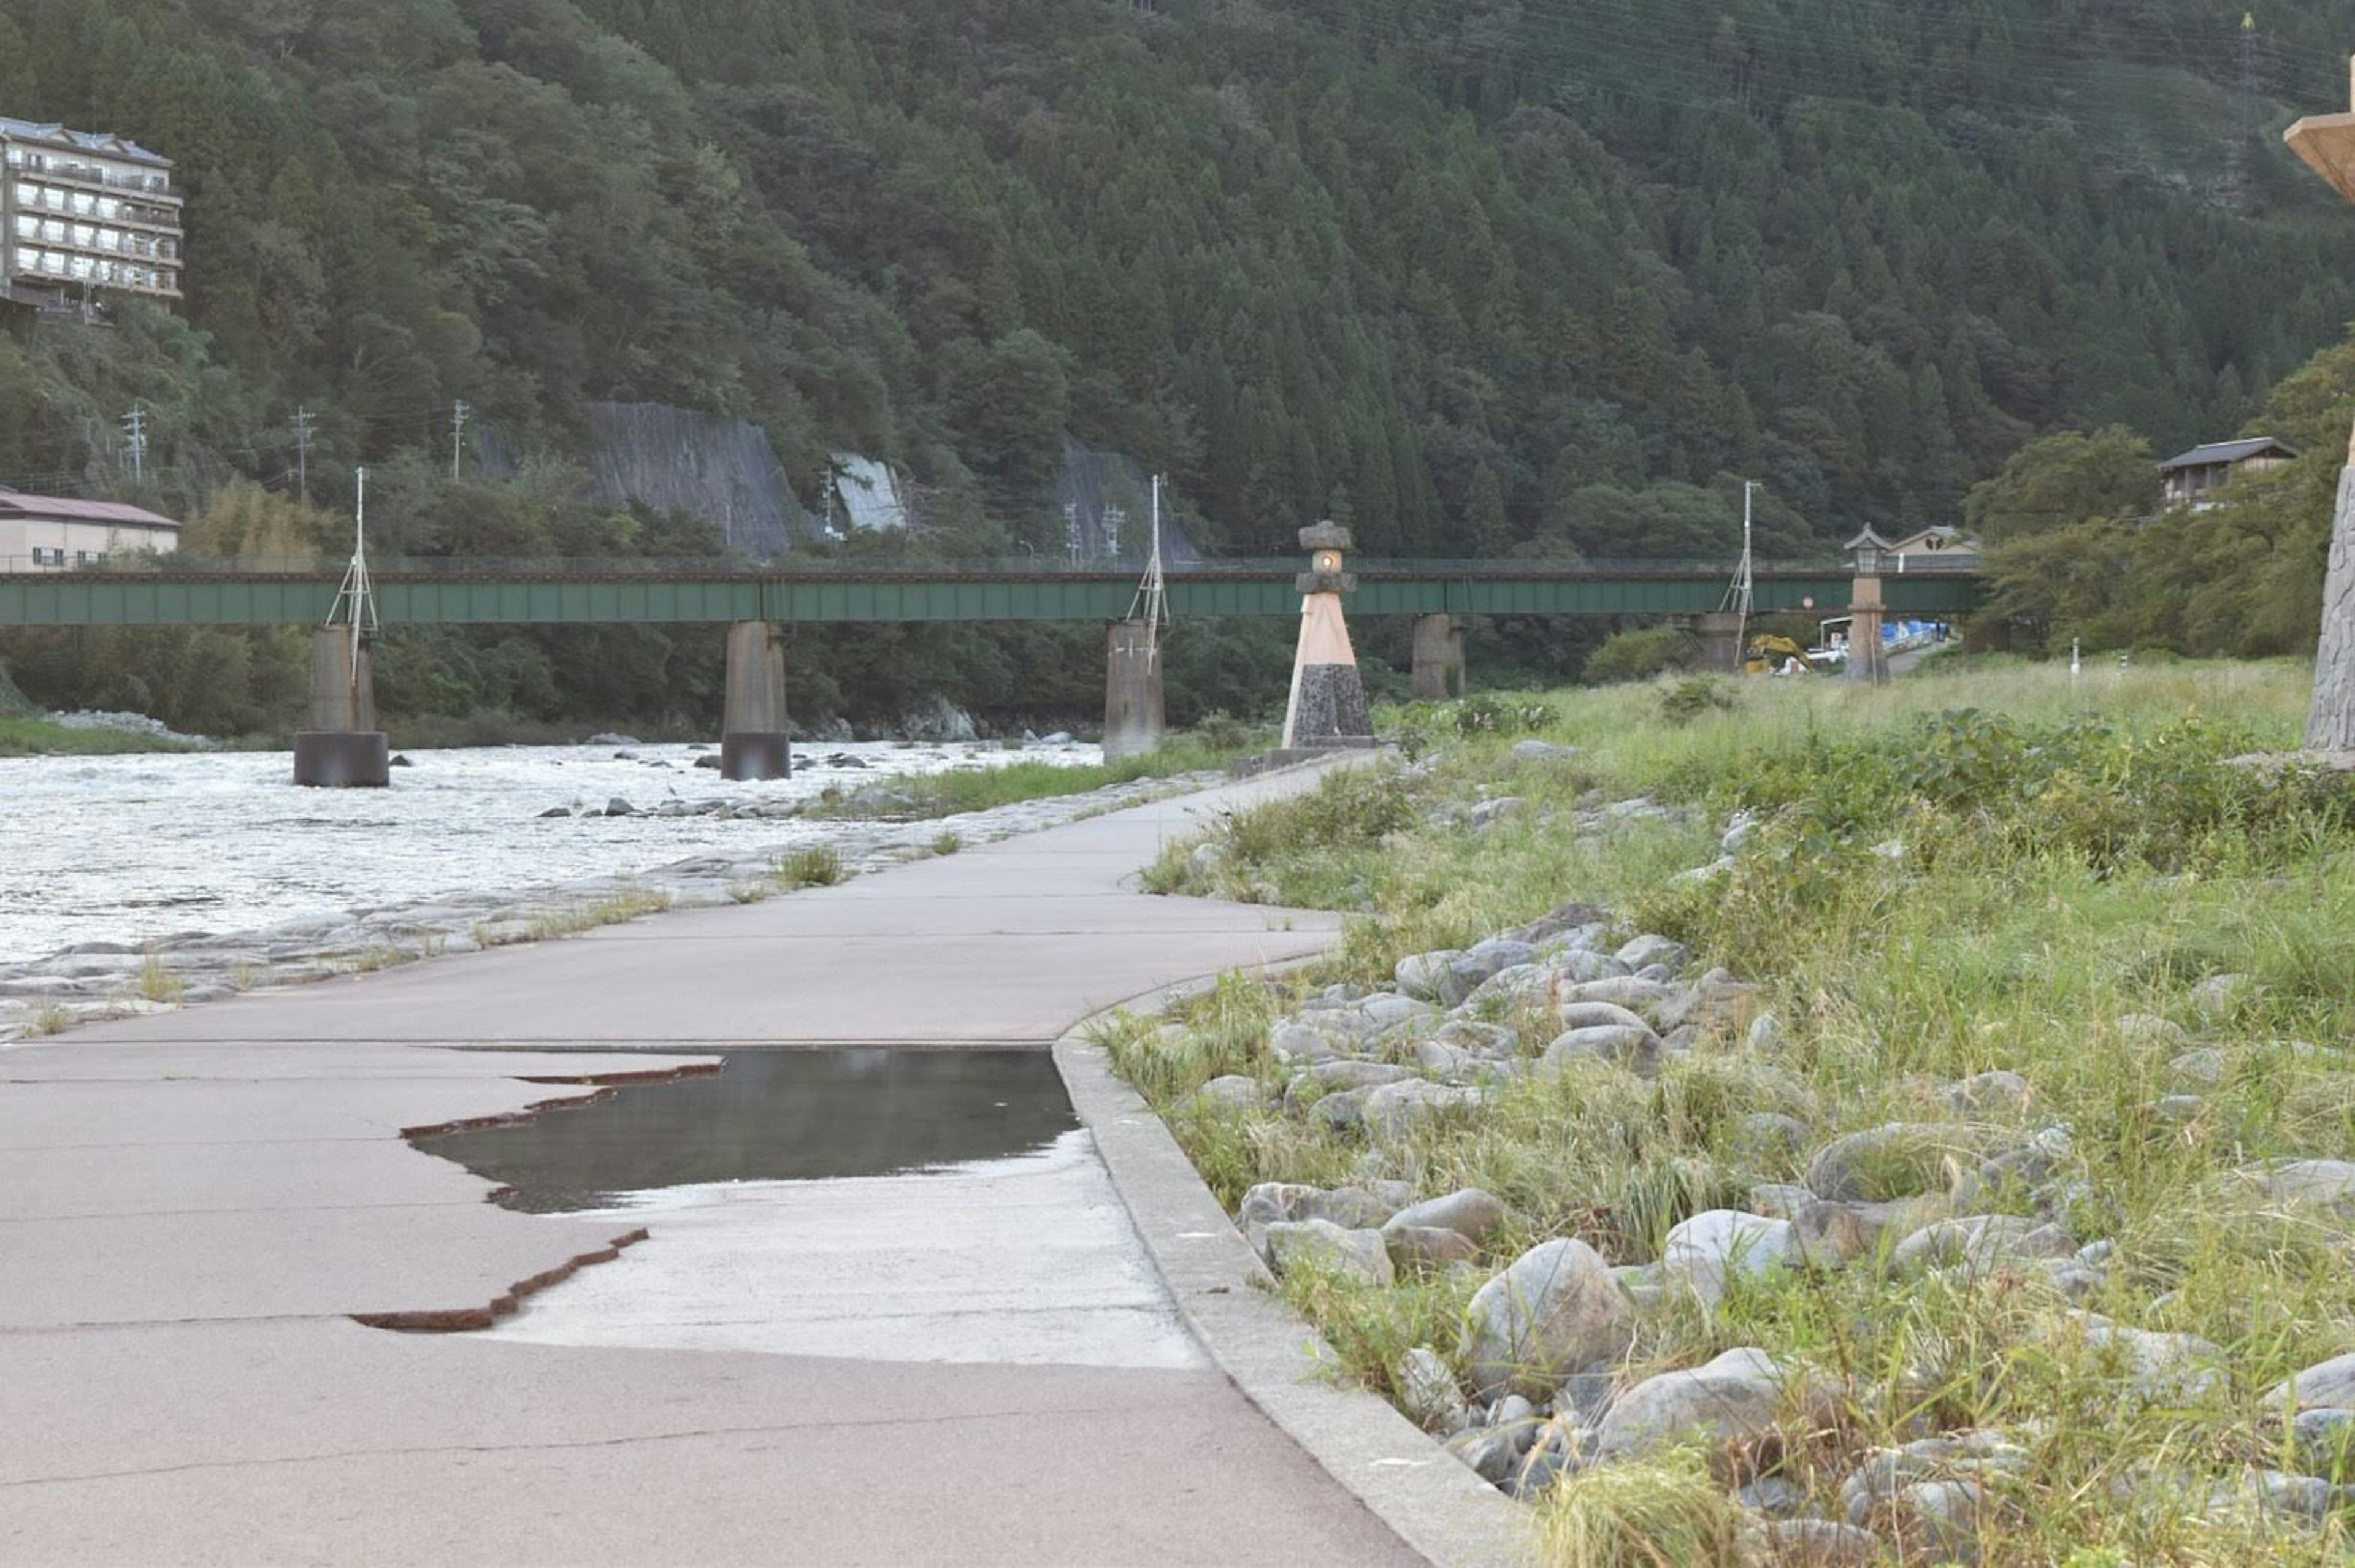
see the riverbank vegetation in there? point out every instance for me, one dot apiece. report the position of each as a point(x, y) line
point(47, 737)
point(2101, 969)
point(1218, 744)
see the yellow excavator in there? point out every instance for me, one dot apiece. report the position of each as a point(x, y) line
point(1772, 655)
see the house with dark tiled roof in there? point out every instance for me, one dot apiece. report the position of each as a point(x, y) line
point(2193, 477)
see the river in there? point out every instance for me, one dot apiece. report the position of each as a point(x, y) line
point(142, 848)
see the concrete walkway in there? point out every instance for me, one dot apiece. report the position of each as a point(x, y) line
point(198, 1209)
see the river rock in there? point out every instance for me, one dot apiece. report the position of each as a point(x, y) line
point(1271, 1201)
point(1320, 1244)
point(1764, 1034)
point(1352, 1208)
point(1897, 1160)
point(1428, 1392)
point(1702, 1253)
point(1770, 1136)
point(1650, 948)
point(2324, 1440)
point(2171, 1367)
point(1598, 1015)
point(2319, 1183)
point(1292, 1041)
point(2149, 1029)
point(1494, 1452)
point(558, 811)
point(1637, 1050)
point(1981, 1242)
point(1553, 1311)
point(1393, 1110)
point(1996, 1094)
point(1468, 1211)
point(1231, 1090)
point(1426, 975)
point(1819, 1543)
point(2220, 996)
point(1733, 1402)
point(1421, 1249)
point(617, 806)
point(2326, 1384)
point(1344, 1112)
point(1544, 751)
point(1344, 1074)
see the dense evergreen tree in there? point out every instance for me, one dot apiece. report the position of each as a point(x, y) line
point(1506, 276)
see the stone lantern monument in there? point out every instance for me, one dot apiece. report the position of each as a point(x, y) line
point(1327, 708)
point(2326, 143)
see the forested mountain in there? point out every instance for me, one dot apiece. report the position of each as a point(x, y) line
point(1479, 276)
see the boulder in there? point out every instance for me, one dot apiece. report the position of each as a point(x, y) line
point(1769, 1136)
point(1981, 1243)
point(1650, 948)
point(1393, 1110)
point(2220, 996)
point(1896, 1159)
point(617, 806)
point(1429, 977)
point(1996, 1094)
point(1598, 1015)
point(1344, 1112)
point(1764, 1035)
point(1293, 1041)
point(1819, 1543)
point(1703, 1254)
point(1352, 1208)
point(1544, 751)
point(2202, 1067)
point(2326, 1384)
point(1320, 1244)
point(2311, 1183)
point(1554, 1310)
point(2324, 1441)
point(1344, 1073)
point(1427, 1390)
point(2168, 1367)
point(1418, 1249)
point(1468, 1211)
point(1733, 1402)
point(1232, 1091)
point(2149, 1029)
point(1637, 1050)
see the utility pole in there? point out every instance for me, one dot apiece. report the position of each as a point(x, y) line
point(303, 454)
point(1740, 594)
point(134, 428)
point(459, 410)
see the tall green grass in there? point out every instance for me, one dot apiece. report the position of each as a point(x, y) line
point(1926, 897)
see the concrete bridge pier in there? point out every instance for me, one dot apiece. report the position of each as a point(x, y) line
point(1438, 672)
point(1133, 721)
point(752, 743)
point(343, 749)
point(1866, 661)
point(1721, 640)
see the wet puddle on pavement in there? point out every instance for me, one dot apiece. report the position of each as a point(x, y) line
point(773, 1115)
point(901, 1205)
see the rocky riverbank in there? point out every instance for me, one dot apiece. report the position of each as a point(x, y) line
point(106, 979)
point(1926, 1143)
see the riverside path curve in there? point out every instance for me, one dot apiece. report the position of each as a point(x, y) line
point(202, 1212)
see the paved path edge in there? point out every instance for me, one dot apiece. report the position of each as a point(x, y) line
point(1424, 1494)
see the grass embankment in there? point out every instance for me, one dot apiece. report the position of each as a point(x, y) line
point(2029, 885)
point(984, 787)
point(40, 737)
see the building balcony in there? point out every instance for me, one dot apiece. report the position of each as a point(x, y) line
point(82, 176)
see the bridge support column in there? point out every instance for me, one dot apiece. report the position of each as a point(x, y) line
point(752, 743)
point(1438, 673)
point(343, 749)
point(1866, 661)
point(1133, 686)
point(1721, 642)
point(1328, 706)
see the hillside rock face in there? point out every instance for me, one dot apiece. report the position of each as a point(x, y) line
point(707, 465)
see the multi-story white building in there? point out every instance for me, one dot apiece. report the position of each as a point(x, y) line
point(58, 533)
point(83, 212)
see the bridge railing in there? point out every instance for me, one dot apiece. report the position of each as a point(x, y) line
point(641, 568)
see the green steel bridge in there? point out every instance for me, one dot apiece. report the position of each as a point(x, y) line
point(175, 591)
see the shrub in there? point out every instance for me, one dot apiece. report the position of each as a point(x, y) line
point(1640, 654)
